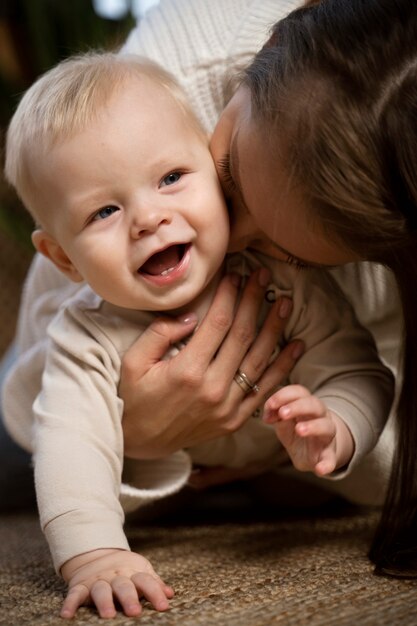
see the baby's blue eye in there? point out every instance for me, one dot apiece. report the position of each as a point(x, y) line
point(172, 178)
point(105, 212)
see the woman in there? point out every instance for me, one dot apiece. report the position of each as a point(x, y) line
point(346, 153)
point(317, 149)
point(318, 164)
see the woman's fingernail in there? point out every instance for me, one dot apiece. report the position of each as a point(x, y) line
point(297, 350)
point(284, 308)
point(187, 318)
point(264, 277)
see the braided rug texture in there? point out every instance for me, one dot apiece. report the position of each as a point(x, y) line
point(293, 571)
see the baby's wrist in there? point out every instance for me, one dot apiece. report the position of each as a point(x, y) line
point(70, 567)
point(345, 444)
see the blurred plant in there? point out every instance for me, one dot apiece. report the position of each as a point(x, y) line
point(34, 36)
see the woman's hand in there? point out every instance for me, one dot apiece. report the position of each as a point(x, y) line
point(191, 398)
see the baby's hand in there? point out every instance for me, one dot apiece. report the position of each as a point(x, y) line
point(100, 576)
point(316, 439)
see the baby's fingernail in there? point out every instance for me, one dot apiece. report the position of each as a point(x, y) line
point(284, 308)
point(162, 605)
point(264, 277)
point(187, 318)
point(284, 411)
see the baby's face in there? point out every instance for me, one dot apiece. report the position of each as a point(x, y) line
point(135, 203)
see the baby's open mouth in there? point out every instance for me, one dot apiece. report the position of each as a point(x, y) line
point(163, 262)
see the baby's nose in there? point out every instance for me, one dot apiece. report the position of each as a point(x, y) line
point(148, 222)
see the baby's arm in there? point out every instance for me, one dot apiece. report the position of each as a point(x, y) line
point(102, 576)
point(315, 438)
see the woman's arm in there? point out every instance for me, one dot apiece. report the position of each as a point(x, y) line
point(192, 397)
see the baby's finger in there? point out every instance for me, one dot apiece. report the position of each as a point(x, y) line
point(76, 597)
point(168, 591)
point(304, 408)
point(102, 596)
point(126, 593)
point(322, 428)
point(326, 465)
point(285, 395)
point(153, 589)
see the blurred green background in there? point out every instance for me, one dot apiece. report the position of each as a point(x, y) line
point(35, 35)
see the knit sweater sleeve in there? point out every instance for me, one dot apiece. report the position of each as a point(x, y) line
point(340, 364)
point(78, 444)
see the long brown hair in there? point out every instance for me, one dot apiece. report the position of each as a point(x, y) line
point(337, 82)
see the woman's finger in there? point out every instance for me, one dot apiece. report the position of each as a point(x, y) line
point(256, 360)
point(154, 342)
point(209, 336)
point(276, 374)
point(243, 331)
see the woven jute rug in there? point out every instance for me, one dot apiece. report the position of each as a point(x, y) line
point(251, 568)
point(230, 561)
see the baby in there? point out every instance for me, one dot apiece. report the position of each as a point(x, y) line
point(110, 160)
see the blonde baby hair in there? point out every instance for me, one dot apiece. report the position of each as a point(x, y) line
point(68, 97)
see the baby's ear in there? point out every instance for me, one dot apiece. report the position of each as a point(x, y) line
point(48, 246)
